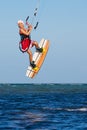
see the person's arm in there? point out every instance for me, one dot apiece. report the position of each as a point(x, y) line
point(29, 27)
point(26, 31)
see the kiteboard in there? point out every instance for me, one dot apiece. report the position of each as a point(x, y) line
point(38, 58)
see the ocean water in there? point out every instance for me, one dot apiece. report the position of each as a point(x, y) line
point(43, 107)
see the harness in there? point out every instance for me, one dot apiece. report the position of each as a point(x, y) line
point(24, 43)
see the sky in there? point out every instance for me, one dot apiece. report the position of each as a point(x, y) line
point(63, 22)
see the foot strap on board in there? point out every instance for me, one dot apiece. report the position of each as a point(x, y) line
point(36, 69)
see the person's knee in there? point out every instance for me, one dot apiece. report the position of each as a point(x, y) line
point(29, 52)
point(35, 43)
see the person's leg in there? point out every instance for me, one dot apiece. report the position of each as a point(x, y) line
point(30, 55)
point(37, 46)
point(31, 59)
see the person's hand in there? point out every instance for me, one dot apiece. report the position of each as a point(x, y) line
point(27, 23)
point(30, 27)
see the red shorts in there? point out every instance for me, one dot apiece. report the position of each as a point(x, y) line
point(25, 44)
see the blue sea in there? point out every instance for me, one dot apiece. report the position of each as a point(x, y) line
point(43, 107)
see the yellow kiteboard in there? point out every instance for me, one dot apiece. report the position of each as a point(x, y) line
point(38, 58)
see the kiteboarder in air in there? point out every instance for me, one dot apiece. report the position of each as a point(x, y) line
point(26, 43)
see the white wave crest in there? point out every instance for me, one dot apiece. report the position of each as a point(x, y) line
point(76, 109)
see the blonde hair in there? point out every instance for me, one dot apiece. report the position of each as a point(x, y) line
point(20, 21)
